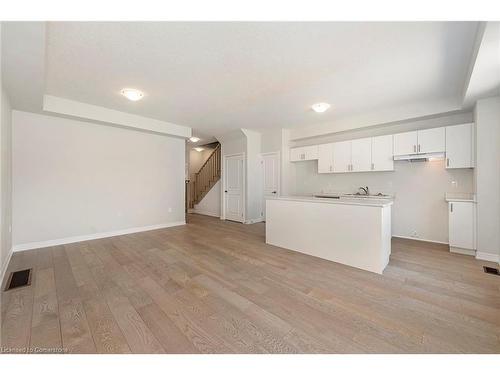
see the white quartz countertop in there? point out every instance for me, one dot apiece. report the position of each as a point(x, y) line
point(374, 202)
point(460, 197)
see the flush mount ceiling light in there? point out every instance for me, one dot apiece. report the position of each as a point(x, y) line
point(132, 94)
point(194, 139)
point(320, 107)
point(199, 149)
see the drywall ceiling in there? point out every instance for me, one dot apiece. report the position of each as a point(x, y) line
point(216, 77)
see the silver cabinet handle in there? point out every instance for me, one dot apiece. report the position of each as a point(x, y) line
point(414, 148)
point(418, 148)
point(373, 166)
point(451, 207)
point(447, 162)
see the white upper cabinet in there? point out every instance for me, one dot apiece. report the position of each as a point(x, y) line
point(342, 156)
point(405, 143)
point(325, 158)
point(304, 153)
point(431, 140)
point(361, 155)
point(419, 142)
point(459, 146)
point(382, 153)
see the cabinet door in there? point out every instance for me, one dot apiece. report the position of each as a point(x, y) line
point(361, 155)
point(342, 156)
point(405, 143)
point(311, 152)
point(459, 146)
point(461, 224)
point(325, 158)
point(295, 154)
point(431, 140)
point(382, 154)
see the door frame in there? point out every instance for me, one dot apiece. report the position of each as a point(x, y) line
point(244, 183)
point(262, 155)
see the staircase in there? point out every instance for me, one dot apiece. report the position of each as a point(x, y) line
point(205, 178)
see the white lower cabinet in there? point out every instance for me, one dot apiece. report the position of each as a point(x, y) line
point(462, 227)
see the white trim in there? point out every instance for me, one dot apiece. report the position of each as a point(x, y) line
point(203, 212)
point(420, 239)
point(487, 256)
point(253, 221)
point(5, 266)
point(459, 250)
point(94, 236)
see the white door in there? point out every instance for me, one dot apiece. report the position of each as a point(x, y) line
point(342, 156)
point(233, 187)
point(382, 154)
point(325, 158)
point(459, 146)
point(270, 177)
point(361, 155)
point(461, 224)
point(431, 140)
point(405, 143)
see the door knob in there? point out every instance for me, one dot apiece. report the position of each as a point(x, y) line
point(225, 191)
point(274, 192)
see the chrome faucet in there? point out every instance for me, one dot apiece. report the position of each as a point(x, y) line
point(366, 191)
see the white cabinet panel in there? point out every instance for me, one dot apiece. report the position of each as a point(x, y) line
point(325, 158)
point(459, 142)
point(431, 140)
point(382, 153)
point(342, 156)
point(304, 153)
point(461, 224)
point(361, 155)
point(405, 143)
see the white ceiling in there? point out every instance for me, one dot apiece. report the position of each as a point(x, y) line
point(217, 77)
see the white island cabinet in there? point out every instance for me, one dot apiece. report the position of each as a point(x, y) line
point(355, 232)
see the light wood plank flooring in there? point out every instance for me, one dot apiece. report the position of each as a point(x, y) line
point(215, 287)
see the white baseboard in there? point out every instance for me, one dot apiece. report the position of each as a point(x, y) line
point(202, 212)
point(419, 239)
point(459, 250)
point(5, 266)
point(253, 221)
point(487, 256)
point(94, 236)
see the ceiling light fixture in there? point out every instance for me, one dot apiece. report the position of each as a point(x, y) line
point(132, 94)
point(194, 139)
point(199, 149)
point(320, 107)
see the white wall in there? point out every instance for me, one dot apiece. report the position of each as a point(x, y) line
point(5, 178)
point(75, 180)
point(419, 187)
point(487, 177)
point(254, 188)
point(211, 203)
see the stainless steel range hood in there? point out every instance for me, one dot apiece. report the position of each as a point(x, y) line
point(421, 157)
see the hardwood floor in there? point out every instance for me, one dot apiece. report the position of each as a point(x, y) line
point(215, 287)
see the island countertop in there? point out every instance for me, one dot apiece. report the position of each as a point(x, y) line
point(375, 202)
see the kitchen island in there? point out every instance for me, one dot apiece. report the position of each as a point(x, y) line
point(351, 231)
